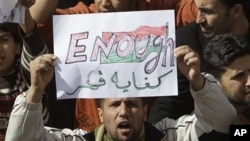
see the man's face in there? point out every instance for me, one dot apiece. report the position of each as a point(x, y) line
point(123, 118)
point(235, 82)
point(8, 51)
point(213, 17)
point(115, 5)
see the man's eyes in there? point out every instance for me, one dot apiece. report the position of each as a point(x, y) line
point(128, 104)
point(207, 11)
point(4, 39)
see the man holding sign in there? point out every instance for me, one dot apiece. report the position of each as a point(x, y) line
point(84, 104)
point(124, 118)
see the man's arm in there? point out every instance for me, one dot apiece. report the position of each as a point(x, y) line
point(176, 106)
point(26, 124)
point(42, 10)
point(27, 112)
point(207, 96)
point(212, 108)
point(206, 93)
point(213, 115)
point(33, 43)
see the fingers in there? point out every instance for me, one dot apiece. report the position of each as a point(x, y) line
point(44, 62)
point(41, 72)
point(186, 54)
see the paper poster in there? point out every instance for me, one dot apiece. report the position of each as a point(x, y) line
point(122, 54)
point(11, 11)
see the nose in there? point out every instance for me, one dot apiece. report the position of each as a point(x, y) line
point(248, 80)
point(200, 17)
point(124, 110)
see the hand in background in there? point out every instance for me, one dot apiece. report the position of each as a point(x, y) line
point(189, 64)
point(41, 71)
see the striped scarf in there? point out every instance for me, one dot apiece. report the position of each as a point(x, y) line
point(11, 85)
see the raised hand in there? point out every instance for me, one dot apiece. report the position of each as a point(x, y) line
point(189, 64)
point(41, 71)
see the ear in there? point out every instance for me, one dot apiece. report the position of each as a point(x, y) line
point(145, 110)
point(236, 11)
point(99, 110)
point(18, 48)
point(219, 82)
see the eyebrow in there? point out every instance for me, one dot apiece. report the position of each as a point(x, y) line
point(205, 8)
point(127, 100)
point(5, 35)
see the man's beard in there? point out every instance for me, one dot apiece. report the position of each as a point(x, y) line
point(133, 137)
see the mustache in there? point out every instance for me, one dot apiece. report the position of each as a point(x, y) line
point(247, 90)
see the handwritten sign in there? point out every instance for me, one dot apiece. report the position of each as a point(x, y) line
point(11, 11)
point(122, 54)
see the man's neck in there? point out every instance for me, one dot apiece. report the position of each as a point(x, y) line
point(243, 114)
point(240, 108)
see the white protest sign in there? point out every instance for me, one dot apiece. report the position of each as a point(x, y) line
point(122, 54)
point(11, 11)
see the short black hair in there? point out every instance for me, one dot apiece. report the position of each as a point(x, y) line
point(221, 51)
point(245, 4)
point(13, 29)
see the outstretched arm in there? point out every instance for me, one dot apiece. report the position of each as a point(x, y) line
point(213, 112)
point(33, 41)
point(42, 10)
point(27, 112)
point(207, 95)
point(211, 105)
point(29, 23)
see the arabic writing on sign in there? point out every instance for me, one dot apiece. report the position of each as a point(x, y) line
point(115, 80)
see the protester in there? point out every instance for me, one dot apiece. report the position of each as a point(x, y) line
point(88, 119)
point(124, 119)
point(213, 17)
point(226, 57)
point(61, 112)
point(19, 44)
